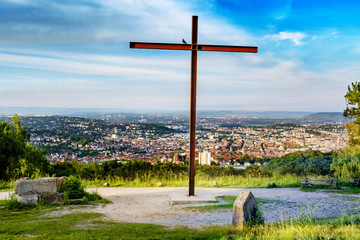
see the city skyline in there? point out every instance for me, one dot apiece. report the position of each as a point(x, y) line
point(76, 54)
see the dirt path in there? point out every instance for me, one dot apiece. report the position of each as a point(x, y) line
point(151, 205)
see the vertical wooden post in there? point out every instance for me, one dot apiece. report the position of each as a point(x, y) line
point(192, 129)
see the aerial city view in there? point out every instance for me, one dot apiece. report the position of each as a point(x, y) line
point(229, 139)
point(169, 119)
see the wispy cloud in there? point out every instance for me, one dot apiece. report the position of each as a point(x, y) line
point(76, 54)
point(295, 37)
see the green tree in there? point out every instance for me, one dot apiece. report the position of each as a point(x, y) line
point(352, 99)
point(17, 157)
point(347, 162)
point(352, 110)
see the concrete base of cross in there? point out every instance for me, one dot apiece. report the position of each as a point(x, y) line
point(182, 198)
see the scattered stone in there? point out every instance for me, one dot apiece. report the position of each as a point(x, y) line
point(244, 209)
point(214, 183)
point(159, 184)
point(272, 185)
point(106, 184)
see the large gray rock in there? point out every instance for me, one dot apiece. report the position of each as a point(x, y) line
point(46, 185)
point(32, 191)
point(24, 186)
point(27, 186)
point(244, 209)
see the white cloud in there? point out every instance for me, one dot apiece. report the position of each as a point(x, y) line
point(100, 65)
point(295, 37)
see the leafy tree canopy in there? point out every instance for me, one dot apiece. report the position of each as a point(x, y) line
point(347, 162)
point(352, 99)
point(17, 157)
point(352, 110)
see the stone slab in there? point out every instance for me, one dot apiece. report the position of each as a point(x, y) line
point(24, 187)
point(182, 197)
point(244, 209)
point(46, 185)
point(54, 198)
point(27, 199)
point(27, 186)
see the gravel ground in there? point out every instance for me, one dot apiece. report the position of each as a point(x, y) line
point(151, 205)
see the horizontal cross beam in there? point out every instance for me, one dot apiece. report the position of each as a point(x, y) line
point(199, 47)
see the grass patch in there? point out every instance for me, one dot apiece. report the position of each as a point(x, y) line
point(229, 203)
point(3, 203)
point(314, 188)
point(351, 190)
point(201, 180)
point(6, 186)
point(91, 226)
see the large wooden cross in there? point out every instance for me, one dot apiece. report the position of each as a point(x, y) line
point(193, 47)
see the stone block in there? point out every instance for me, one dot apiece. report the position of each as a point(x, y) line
point(27, 199)
point(32, 191)
point(60, 182)
point(46, 185)
point(24, 186)
point(55, 198)
point(244, 209)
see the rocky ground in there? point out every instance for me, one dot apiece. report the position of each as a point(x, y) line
point(151, 205)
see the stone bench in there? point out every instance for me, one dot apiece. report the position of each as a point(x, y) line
point(32, 191)
point(319, 181)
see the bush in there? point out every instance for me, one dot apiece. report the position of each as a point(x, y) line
point(73, 188)
point(14, 205)
point(347, 163)
point(308, 163)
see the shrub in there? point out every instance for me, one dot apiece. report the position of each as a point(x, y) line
point(14, 205)
point(73, 188)
point(347, 163)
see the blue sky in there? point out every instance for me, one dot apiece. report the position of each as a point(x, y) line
point(65, 53)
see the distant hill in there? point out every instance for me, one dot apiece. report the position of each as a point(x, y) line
point(258, 114)
point(326, 117)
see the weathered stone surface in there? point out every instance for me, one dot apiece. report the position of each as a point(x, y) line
point(24, 186)
point(55, 198)
point(244, 209)
point(32, 191)
point(46, 185)
point(27, 199)
point(27, 186)
point(60, 182)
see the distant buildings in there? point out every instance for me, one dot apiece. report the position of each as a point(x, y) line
point(205, 158)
